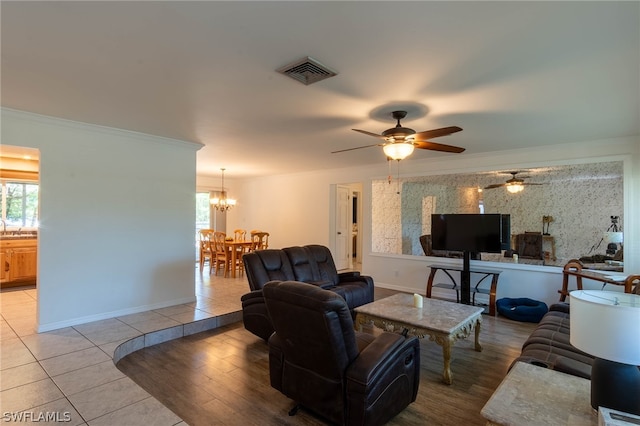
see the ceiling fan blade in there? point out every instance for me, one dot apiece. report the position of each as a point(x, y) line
point(359, 147)
point(436, 133)
point(438, 147)
point(495, 185)
point(500, 185)
point(375, 135)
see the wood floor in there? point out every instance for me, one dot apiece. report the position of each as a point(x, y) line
point(221, 377)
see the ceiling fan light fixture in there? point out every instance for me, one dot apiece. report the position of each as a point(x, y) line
point(515, 187)
point(398, 150)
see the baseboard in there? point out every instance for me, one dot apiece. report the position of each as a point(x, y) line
point(106, 315)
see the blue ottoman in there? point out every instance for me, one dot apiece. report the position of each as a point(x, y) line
point(522, 309)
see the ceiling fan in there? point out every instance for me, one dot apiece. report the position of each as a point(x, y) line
point(399, 141)
point(513, 185)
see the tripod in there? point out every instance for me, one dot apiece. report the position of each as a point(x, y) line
point(611, 247)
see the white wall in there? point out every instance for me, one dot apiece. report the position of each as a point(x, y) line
point(117, 216)
point(296, 209)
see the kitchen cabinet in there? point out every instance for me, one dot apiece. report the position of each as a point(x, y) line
point(4, 265)
point(18, 260)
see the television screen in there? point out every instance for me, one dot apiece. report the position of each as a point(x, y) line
point(489, 233)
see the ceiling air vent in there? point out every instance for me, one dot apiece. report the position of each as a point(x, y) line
point(307, 71)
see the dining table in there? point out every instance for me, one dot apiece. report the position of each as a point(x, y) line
point(236, 247)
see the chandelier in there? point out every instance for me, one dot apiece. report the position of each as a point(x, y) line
point(222, 203)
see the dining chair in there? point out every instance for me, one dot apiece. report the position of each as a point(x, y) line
point(206, 250)
point(222, 254)
point(239, 234)
point(252, 233)
point(259, 241)
point(240, 252)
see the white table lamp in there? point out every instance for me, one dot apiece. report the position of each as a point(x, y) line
point(606, 324)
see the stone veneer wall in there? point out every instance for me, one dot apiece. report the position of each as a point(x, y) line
point(386, 217)
point(580, 198)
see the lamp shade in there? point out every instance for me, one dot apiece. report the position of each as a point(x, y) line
point(606, 324)
point(398, 150)
point(614, 237)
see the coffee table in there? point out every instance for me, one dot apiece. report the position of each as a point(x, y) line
point(444, 322)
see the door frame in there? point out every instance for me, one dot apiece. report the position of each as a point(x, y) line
point(354, 187)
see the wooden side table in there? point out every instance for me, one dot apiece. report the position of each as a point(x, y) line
point(574, 268)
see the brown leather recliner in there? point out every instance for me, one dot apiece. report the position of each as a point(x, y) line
point(317, 358)
point(311, 264)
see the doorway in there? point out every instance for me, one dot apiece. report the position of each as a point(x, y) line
point(356, 218)
point(19, 250)
point(346, 225)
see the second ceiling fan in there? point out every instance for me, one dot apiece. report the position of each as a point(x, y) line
point(399, 142)
point(513, 185)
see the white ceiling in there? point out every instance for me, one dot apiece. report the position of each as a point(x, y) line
point(511, 74)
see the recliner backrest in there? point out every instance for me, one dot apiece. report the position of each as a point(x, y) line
point(304, 266)
point(263, 266)
point(324, 260)
point(317, 329)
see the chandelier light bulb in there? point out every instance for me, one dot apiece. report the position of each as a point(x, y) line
point(222, 203)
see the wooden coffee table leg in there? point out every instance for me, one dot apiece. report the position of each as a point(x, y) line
point(446, 354)
point(477, 332)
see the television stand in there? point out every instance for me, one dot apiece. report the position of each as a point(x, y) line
point(465, 279)
point(453, 284)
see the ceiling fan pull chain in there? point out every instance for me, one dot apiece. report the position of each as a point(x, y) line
point(398, 180)
point(389, 164)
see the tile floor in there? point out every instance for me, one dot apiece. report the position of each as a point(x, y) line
point(68, 376)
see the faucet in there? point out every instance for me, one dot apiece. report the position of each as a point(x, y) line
point(4, 226)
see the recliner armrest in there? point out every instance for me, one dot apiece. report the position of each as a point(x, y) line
point(378, 355)
point(383, 379)
point(347, 277)
point(322, 284)
point(253, 295)
point(560, 307)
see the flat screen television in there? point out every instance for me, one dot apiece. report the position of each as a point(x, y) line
point(489, 233)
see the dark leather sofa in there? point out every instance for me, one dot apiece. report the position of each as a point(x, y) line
point(548, 345)
point(317, 359)
point(311, 264)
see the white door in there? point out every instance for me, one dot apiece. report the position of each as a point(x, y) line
point(343, 227)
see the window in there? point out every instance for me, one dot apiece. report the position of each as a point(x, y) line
point(203, 211)
point(19, 204)
point(203, 217)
